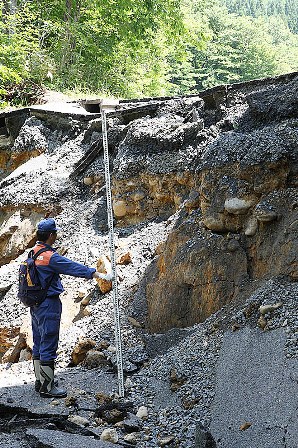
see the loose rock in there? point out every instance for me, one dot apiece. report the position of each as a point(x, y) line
point(142, 412)
point(109, 435)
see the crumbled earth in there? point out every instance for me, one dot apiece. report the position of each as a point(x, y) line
point(205, 205)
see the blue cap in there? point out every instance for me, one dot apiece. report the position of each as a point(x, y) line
point(47, 225)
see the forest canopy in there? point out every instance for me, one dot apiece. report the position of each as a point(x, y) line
point(137, 48)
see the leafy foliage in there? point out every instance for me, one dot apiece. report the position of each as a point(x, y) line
point(23, 63)
point(237, 48)
point(135, 48)
point(287, 10)
point(25, 93)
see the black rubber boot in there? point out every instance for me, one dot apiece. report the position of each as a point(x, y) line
point(48, 388)
point(36, 366)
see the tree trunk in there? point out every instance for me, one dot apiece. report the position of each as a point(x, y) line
point(71, 17)
point(9, 8)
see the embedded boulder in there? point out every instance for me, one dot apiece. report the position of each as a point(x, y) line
point(17, 231)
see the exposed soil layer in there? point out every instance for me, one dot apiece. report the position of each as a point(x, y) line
point(205, 205)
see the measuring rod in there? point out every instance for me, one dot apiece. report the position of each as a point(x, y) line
point(106, 106)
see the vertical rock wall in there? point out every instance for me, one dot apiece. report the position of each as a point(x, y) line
point(237, 223)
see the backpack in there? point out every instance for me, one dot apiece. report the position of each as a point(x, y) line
point(30, 290)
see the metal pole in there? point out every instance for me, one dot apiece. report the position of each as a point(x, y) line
point(112, 254)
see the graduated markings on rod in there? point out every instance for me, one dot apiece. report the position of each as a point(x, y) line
point(113, 258)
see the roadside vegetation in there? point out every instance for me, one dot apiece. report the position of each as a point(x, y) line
point(141, 48)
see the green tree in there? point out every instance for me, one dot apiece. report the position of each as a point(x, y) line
point(135, 48)
point(20, 53)
point(238, 48)
point(285, 9)
point(99, 44)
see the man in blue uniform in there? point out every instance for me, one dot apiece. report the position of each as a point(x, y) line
point(46, 317)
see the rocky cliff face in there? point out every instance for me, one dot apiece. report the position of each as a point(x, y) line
point(206, 212)
point(227, 165)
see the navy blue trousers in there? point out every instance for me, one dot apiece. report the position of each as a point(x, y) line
point(45, 320)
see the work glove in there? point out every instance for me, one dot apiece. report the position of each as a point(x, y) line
point(109, 277)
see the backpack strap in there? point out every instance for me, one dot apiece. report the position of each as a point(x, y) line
point(40, 251)
point(34, 256)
